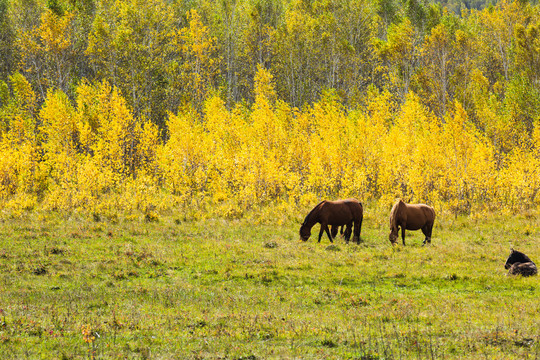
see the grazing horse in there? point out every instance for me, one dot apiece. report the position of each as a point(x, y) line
point(335, 230)
point(411, 217)
point(519, 264)
point(348, 213)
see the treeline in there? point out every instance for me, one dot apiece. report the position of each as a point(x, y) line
point(164, 55)
point(142, 105)
point(458, 6)
point(94, 156)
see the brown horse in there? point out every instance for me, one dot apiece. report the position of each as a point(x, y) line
point(348, 213)
point(519, 264)
point(411, 217)
point(335, 230)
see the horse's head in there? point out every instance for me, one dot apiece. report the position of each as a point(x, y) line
point(393, 222)
point(393, 235)
point(516, 257)
point(305, 232)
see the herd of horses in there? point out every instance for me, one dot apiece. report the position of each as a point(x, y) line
point(348, 215)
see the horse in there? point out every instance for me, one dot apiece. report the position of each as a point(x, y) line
point(411, 217)
point(334, 230)
point(520, 264)
point(348, 213)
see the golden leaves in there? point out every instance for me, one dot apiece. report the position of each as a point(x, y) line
point(55, 32)
point(246, 157)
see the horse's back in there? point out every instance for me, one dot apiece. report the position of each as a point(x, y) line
point(418, 215)
point(429, 212)
point(355, 206)
point(523, 269)
point(341, 212)
point(350, 203)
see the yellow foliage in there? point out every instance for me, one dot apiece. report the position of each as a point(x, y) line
point(199, 49)
point(97, 157)
point(54, 31)
point(19, 149)
point(59, 130)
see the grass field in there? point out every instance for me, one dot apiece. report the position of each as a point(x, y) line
point(77, 288)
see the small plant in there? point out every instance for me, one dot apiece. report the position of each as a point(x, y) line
point(40, 270)
point(329, 343)
point(55, 251)
point(452, 277)
point(332, 248)
point(88, 334)
point(249, 357)
point(271, 245)
point(357, 301)
point(151, 217)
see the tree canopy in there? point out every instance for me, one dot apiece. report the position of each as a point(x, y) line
point(193, 95)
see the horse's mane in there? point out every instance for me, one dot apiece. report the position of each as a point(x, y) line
point(311, 212)
point(393, 213)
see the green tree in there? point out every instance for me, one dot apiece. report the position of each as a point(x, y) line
point(129, 46)
point(7, 42)
point(437, 65)
point(527, 50)
point(401, 55)
point(194, 74)
point(319, 47)
point(256, 48)
point(496, 32)
point(227, 20)
point(47, 51)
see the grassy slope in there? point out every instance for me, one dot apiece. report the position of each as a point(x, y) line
point(219, 289)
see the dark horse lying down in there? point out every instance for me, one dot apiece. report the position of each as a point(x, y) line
point(519, 264)
point(348, 213)
point(411, 217)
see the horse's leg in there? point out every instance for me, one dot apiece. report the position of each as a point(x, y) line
point(334, 231)
point(403, 233)
point(357, 230)
point(352, 228)
point(427, 232)
point(321, 231)
point(348, 232)
point(328, 233)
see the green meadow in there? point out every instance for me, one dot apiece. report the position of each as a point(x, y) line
point(73, 287)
